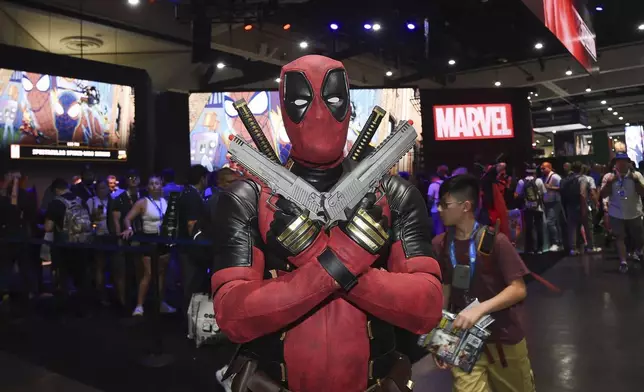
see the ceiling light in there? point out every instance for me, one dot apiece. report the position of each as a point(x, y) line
point(569, 72)
point(133, 2)
point(641, 27)
point(534, 144)
point(536, 94)
point(304, 44)
point(590, 141)
point(599, 8)
point(538, 46)
point(538, 142)
point(220, 65)
point(548, 109)
point(555, 131)
point(451, 62)
point(529, 97)
point(628, 124)
point(376, 27)
point(615, 113)
point(621, 118)
point(497, 83)
point(277, 80)
point(367, 26)
point(411, 26)
point(588, 89)
point(610, 109)
point(333, 26)
point(590, 127)
point(389, 73)
point(248, 27)
point(549, 140)
point(603, 102)
point(286, 26)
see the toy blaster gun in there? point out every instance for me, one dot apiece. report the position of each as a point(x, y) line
point(277, 178)
point(366, 134)
point(350, 190)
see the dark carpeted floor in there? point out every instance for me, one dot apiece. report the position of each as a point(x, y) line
point(104, 351)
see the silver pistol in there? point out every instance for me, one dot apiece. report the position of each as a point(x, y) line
point(350, 190)
point(278, 178)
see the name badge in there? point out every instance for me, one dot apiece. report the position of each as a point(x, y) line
point(461, 277)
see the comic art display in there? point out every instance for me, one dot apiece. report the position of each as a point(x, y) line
point(55, 117)
point(213, 118)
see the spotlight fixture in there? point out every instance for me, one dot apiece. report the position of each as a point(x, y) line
point(599, 8)
point(367, 26)
point(538, 46)
point(628, 124)
point(603, 102)
point(287, 26)
point(497, 83)
point(221, 65)
point(615, 113)
point(389, 73)
point(333, 26)
point(610, 109)
point(376, 27)
point(590, 142)
point(411, 26)
point(536, 94)
point(548, 109)
point(641, 27)
point(555, 131)
point(588, 89)
point(133, 2)
point(248, 27)
point(534, 144)
point(451, 62)
point(277, 80)
point(590, 127)
point(569, 72)
point(549, 140)
point(621, 118)
point(304, 45)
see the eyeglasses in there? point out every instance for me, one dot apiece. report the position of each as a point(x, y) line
point(443, 205)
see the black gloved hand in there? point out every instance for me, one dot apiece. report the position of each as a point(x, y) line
point(367, 226)
point(291, 230)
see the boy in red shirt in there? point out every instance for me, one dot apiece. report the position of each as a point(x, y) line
point(495, 280)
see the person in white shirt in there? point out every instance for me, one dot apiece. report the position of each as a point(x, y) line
point(151, 209)
point(97, 206)
point(531, 189)
point(552, 205)
point(624, 188)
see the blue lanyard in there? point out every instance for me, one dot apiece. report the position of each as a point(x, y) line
point(452, 251)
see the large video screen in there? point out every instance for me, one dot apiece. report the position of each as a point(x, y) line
point(570, 22)
point(213, 118)
point(56, 117)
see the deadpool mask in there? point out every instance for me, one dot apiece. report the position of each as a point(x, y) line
point(314, 96)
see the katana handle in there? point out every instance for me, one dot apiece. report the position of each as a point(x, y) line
point(255, 131)
point(359, 148)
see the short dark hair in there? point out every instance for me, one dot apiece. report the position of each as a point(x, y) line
point(575, 167)
point(196, 173)
point(168, 175)
point(59, 184)
point(464, 187)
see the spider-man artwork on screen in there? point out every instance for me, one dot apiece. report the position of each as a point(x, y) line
point(49, 111)
point(213, 118)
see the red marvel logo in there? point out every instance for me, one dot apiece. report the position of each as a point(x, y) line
point(467, 122)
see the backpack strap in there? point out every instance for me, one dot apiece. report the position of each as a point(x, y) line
point(485, 239)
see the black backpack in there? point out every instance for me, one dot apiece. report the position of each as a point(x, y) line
point(532, 196)
point(571, 190)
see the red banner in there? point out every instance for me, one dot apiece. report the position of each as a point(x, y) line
point(473, 122)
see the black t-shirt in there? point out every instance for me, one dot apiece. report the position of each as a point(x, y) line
point(191, 208)
point(123, 203)
point(57, 209)
point(13, 217)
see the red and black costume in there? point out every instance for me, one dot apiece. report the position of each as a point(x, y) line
point(318, 313)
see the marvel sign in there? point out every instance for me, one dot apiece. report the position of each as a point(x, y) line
point(469, 122)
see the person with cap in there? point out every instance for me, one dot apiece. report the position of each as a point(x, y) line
point(530, 190)
point(624, 188)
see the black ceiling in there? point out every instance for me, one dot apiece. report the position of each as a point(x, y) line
point(475, 33)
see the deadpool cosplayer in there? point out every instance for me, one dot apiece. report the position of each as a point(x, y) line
point(315, 309)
